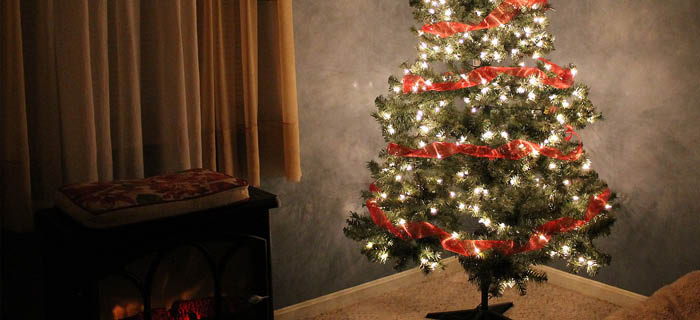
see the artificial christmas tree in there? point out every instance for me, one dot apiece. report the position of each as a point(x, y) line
point(482, 158)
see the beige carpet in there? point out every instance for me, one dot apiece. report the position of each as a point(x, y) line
point(446, 292)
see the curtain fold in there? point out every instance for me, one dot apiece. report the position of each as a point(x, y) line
point(125, 96)
point(96, 90)
point(15, 200)
point(288, 84)
point(249, 52)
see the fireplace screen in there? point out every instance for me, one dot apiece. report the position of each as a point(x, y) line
point(213, 280)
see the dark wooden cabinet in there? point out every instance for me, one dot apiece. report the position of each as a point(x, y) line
point(78, 258)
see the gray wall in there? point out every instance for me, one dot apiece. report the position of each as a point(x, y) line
point(639, 57)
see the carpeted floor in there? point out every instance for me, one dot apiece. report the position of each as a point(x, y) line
point(445, 291)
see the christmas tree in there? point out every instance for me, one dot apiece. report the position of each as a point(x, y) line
point(483, 160)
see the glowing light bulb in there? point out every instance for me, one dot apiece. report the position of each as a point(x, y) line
point(421, 144)
point(567, 182)
point(586, 166)
point(504, 135)
point(574, 71)
point(514, 180)
point(520, 90)
point(433, 211)
point(561, 118)
point(460, 174)
point(384, 195)
point(369, 245)
point(402, 222)
point(575, 198)
point(383, 257)
point(487, 135)
point(455, 235)
point(387, 115)
point(476, 208)
point(503, 98)
point(398, 178)
point(565, 249)
point(391, 130)
point(581, 259)
point(461, 206)
point(397, 89)
point(552, 166)
point(608, 207)
point(531, 96)
point(402, 197)
point(452, 194)
point(425, 129)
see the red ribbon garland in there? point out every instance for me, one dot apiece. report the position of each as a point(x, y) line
point(503, 14)
point(513, 150)
point(564, 78)
point(538, 240)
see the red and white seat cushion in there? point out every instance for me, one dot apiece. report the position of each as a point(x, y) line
point(122, 202)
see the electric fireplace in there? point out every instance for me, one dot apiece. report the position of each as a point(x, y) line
point(210, 264)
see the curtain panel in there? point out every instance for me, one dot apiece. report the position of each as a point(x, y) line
point(96, 90)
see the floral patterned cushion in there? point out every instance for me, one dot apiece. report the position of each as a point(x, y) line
point(114, 203)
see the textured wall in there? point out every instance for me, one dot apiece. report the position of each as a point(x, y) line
point(639, 57)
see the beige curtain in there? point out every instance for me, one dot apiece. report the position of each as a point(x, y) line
point(113, 89)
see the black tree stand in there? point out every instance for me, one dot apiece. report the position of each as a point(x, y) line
point(481, 312)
